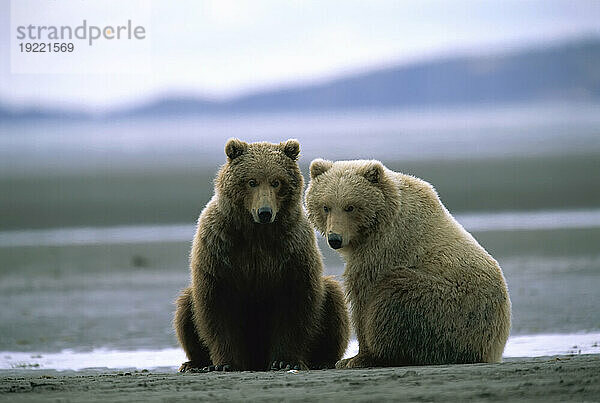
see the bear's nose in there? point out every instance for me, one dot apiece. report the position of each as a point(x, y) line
point(265, 214)
point(334, 240)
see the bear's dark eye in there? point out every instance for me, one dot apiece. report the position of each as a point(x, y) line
point(252, 183)
point(326, 209)
point(275, 183)
point(349, 208)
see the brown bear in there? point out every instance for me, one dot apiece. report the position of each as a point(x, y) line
point(258, 299)
point(422, 290)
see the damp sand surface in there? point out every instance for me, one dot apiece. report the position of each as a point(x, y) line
point(558, 378)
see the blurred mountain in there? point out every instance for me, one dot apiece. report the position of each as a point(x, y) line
point(8, 113)
point(569, 72)
point(174, 106)
point(561, 72)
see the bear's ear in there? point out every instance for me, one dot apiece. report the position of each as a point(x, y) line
point(291, 148)
point(319, 166)
point(234, 148)
point(373, 171)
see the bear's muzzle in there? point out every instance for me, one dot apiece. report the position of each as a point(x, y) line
point(265, 214)
point(334, 240)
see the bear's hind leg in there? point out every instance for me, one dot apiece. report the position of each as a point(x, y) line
point(333, 330)
point(418, 318)
point(195, 350)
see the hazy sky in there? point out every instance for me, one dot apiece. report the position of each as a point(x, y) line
point(223, 48)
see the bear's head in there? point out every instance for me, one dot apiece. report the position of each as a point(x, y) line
point(347, 200)
point(260, 182)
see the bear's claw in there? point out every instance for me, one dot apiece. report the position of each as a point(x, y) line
point(190, 367)
point(341, 364)
point(282, 365)
point(219, 367)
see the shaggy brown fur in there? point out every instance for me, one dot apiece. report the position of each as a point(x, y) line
point(258, 296)
point(422, 290)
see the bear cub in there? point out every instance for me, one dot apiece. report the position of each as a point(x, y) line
point(422, 290)
point(258, 299)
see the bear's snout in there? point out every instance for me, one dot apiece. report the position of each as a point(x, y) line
point(334, 240)
point(265, 214)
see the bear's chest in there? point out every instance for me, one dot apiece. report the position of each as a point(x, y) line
point(258, 257)
point(255, 269)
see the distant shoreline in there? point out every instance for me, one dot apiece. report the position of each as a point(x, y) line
point(410, 135)
point(475, 222)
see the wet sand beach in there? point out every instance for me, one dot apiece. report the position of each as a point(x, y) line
point(559, 378)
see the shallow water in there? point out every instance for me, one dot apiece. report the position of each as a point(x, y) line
point(520, 346)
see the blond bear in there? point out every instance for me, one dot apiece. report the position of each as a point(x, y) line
point(422, 290)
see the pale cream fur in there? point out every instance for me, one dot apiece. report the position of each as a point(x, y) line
point(421, 288)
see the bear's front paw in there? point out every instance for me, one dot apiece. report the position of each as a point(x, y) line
point(191, 366)
point(341, 364)
point(358, 361)
point(218, 367)
point(285, 365)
